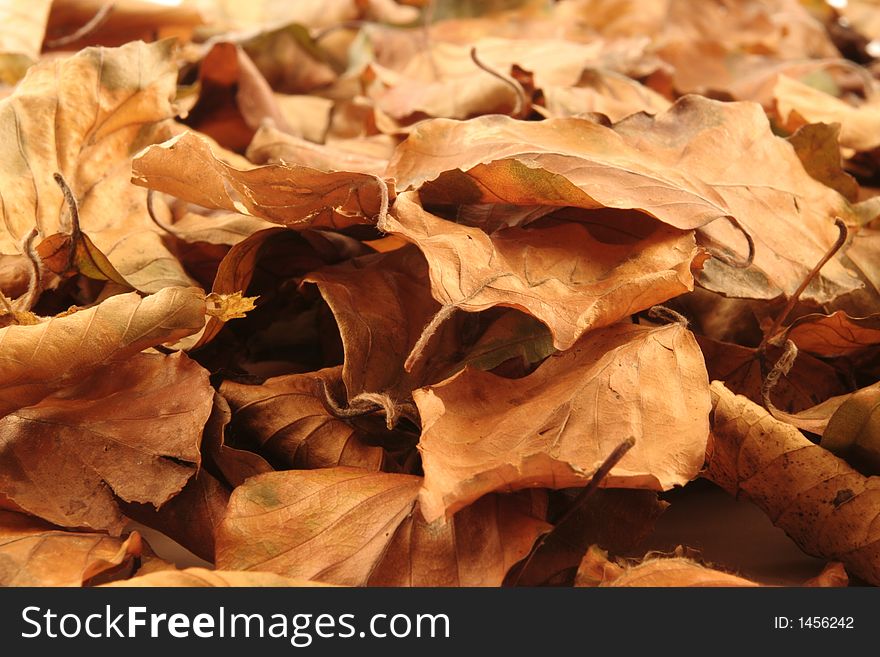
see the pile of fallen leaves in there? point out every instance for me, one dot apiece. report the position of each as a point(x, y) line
point(366, 292)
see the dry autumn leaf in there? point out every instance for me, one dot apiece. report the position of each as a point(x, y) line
point(827, 507)
point(297, 197)
point(85, 116)
point(34, 553)
point(202, 577)
point(699, 162)
point(554, 427)
point(430, 293)
point(288, 421)
point(538, 268)
point(374, 534)
point(21, 37)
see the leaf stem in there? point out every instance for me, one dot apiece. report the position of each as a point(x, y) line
point(586, 492)
point(792, 301)
point(93, 24)
point(520, 105)
point(428, 332)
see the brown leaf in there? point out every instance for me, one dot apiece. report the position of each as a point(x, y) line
point(350, 526)
point(825, 506)
point(816, 144)
point(698, 162)
point(272, 146)
point(834, 574)
point(129, 429)
point(235, 465)
point(618, 520)
point(833, 335)
point(809, 382)
point(606, 92)
point(482, 433)
point(676, 572)
point(96, 108)
point(191, 516)
point(297, 197)
point(288, 423)
point(234, 98)
point(540, 269)
point(129, 20)
point(60, 351)
point(381, 303)
point(797, 102)
point(202, 577)
point(34, 553)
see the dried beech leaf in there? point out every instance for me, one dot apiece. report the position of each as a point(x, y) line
point(235, 465)
point(130, 429)
point(381, 303)
point(553, 428)
point(700, 161)
point(675, 572)
point(297, 197)
point(833, 335)
point(816, 144)
point(60, 351)
point(809, 382)
point(542, 270)
point(859, 126)
point(853, 430)
point(202, 577)
point(191, 516)
point(354, 527)
point(288, 422)
point(271, 146)
point(614, 519)
point(85, 116)
point(824, 505)
point(34, 553)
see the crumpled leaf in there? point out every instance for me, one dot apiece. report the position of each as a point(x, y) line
point(235, 465)
point(85, 116)
point(287, 421)
point(272, 146)
point(229, 306)
point(296, 197)
point(676, 571)
point(553, 428)
point(34, 553)
point(129, 429)
point(700, 161)
point(202, 577)
point(234, 98)
point(60, 351)
point(825, 506)
point(818, 148)
point(853, 430)
point(797, 103)
point(354, 527)
point(381, 303)
point(541, 269)
point(834, 335)
point(615, 519)
point(191, 516)
point(809, 382)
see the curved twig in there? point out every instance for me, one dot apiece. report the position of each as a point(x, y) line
point(792, 301)
point(586, 492)
point(521, 101)
point(93, 24)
